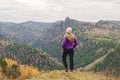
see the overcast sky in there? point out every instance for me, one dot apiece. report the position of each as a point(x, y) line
point(53, 10)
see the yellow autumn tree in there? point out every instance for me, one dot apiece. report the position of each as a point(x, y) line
point(17, 71)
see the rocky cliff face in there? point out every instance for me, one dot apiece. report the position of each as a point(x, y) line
point(58, 29)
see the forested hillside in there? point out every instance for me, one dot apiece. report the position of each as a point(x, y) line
point(111, 63)
point(27, 55)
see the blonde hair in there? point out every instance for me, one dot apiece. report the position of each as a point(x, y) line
point(69, 34)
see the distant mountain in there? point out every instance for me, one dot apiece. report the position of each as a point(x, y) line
point(110, 24)
point(25, 32)
point(38, 25)
point(4, 26)
point(1, 36)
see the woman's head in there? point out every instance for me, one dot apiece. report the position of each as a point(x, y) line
point(69, 30)
point(69, 34)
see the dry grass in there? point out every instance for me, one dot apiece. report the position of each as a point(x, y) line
point(76, 75)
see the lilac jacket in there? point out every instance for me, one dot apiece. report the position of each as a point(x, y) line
point(69, 45)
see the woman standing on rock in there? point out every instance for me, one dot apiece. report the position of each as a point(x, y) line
point(68, 44)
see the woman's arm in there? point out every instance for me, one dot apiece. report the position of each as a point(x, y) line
point(64, 43)
point(75, 42)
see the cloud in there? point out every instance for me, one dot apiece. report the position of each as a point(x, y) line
point(52, 10)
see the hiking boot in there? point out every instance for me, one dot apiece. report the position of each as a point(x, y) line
point(66, 70)
point(71, 70)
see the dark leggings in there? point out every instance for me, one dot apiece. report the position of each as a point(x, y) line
point(69, 52)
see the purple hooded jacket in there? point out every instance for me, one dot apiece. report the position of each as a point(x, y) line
point(69, 45)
